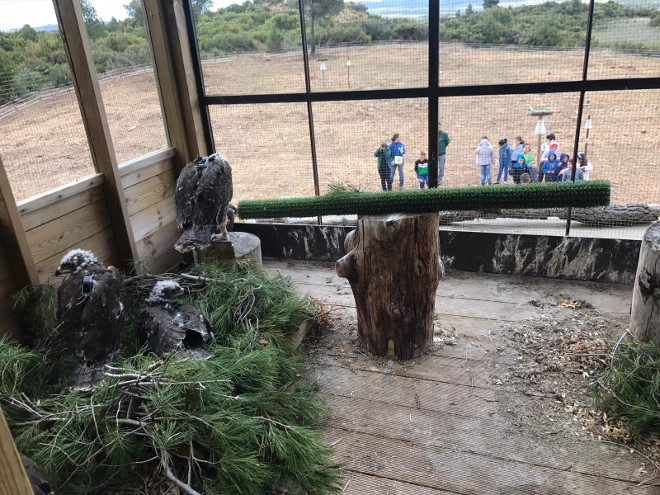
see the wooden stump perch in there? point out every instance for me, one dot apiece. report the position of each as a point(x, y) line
point(393, 266)
point(645, 312)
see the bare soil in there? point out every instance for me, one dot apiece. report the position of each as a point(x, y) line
point(43, 144)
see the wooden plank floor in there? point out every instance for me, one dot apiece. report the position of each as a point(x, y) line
point(438, 424)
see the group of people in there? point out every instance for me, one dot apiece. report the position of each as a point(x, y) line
point(391, 157)
point(517, 161)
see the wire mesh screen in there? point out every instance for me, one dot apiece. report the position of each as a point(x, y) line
point(123, 59)
point(375, 45)
point(268, 147)
point(625, 39)
point(349, 133)
point(251, 48)
point(486, 43)
point(42, 139)
point(623, 129)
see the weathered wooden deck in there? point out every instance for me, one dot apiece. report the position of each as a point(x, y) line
point(439, 424)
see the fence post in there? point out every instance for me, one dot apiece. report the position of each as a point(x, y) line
point(13, 478)
point(85, 81)
point(173, 89)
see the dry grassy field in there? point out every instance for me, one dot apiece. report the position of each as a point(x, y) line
point(43, 144)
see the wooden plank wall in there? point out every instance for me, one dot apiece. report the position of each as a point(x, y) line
point(149, 191)
point(76, 216)
point(8, 285)
point(73, 216)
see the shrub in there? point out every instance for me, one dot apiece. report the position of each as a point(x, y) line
point(630, 391)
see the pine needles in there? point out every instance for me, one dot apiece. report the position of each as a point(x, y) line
point(240, 422)
point(630, 390)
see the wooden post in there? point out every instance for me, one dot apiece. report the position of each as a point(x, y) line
point(393, 266)
point(175, 95)
point(186, 84)
point(645, 312)
point(13, 236)
point(538, 152)
point(13, 479)
point(586, 137)
point(85, 81)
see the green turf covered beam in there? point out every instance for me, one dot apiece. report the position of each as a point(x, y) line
point(554, 195)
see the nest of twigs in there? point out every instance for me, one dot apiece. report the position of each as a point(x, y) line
point(242, 421)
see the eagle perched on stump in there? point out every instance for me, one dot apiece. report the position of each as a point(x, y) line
point(203, 191)
point(91, 313)
point(168, 325)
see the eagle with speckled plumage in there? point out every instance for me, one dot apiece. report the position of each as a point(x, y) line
point(203, 191)
point(166, 325)
point(91, 314)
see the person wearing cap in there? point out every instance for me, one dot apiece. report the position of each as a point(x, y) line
point(385, 170)
point(422, 170)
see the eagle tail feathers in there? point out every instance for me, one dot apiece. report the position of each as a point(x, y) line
point(87, 376)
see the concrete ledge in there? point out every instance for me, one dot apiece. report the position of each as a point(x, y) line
point(570, 258)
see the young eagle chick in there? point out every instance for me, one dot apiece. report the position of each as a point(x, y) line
point(167, 325)
point(203, 191)
point(91, 315)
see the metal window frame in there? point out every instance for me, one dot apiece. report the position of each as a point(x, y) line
point(432, 92)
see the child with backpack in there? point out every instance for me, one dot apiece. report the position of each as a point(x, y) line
point(422, 170)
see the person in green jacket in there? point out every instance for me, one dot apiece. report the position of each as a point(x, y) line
point(443, 142)
point(384, 168)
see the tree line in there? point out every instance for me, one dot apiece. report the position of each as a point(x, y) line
point(31, 59)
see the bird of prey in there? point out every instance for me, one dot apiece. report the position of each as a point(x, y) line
point(203, 191)
point(167, 325)
point(91, 314)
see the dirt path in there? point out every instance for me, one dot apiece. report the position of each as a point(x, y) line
point(467, 417)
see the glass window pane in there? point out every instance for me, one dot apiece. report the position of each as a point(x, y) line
point(124, 62)
point(268, 148)
point(42, 139)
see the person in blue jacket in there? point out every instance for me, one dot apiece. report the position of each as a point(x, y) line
point(519, 168)
point(397, 150)
point(505, 160)
point(563, 162)
point(550, 169)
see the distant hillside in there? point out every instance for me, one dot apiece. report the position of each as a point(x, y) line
point(47, 28)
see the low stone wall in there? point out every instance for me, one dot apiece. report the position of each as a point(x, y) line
point(570, 258)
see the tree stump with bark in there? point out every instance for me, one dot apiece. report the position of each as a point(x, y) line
point(393, 265)
point(645, 313)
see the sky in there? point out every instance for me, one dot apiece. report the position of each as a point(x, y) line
point(16, 13)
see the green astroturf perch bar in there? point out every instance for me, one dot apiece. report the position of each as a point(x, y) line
point(581, 194)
